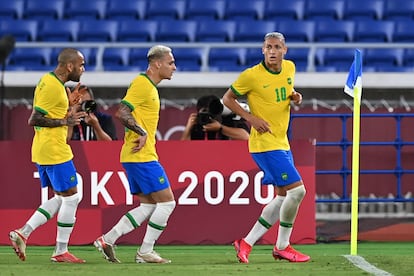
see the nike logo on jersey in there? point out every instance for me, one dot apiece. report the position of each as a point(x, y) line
point(266, 85)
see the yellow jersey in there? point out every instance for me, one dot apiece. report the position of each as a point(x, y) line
point(268, 95)
point(50, 145)
point(143, 99)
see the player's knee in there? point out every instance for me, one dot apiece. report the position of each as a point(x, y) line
point(297, 193)
point(167, 207)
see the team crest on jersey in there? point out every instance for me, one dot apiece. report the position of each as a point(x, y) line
point(289, 80)
point(284, 176)
point(72, 178)
point(161, 179)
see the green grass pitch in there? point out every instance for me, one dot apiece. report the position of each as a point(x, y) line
point(327, 259)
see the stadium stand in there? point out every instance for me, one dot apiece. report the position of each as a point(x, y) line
point(138, 58)
point(81, 9)
point(324, 10)
point(298, 31)
point(334, 31)
point(333, 59)
point(300, 57)
point(284, 10)
point(176, 31)
point(98, 30)
point(188, 59)
point(227, 59)
point(33, 58)
point(59, 30)
point(22, 30)
point(253, 56)
point(244, 10)
point(114, 59)
point(42, 10)
point(408, 58)
point(165, 10)
point(373, 31)
point(363, 10)
point(202, 10)
point(252, 31)
point(403, 31)
point(213, 21)
point(383, 60)
point(398, 10)
point(11, 9)
point(137, 31)
point(128, 10)
point(215, 31)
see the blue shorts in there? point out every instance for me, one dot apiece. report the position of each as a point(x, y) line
point(146, 177)
point(278, 167)
point(60, 177)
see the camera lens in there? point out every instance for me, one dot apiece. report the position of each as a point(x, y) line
point(88, 106)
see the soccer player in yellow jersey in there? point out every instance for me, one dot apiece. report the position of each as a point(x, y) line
point(269, 87)
point(139, 113)
point(52, 155)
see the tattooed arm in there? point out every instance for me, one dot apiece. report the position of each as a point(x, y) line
point(38, 119)
point(125, 116)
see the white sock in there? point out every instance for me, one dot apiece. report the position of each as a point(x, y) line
point(156, 225)
point(45, 212)
point(268, 217)
point(288, 212)
point(66, 220)
point(131, 220)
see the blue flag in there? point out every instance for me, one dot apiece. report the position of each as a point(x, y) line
point(354, 80)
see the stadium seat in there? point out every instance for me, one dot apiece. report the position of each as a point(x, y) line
point(244, 9)
point(129, 9)
point(113, 58)
point(323, 10)
point(284, 10)
point(408, 57)
point(297, 31)
point(215, 31)
point(22, 30)
point(373, 31)
point(31, 58)
point(338, 58)
point(137, 31)
point(44, 10)
point(383, 60)
point(11, 9)
point(226, 59)
point(176, 31)
point(299, 56)
point(165, 10)
point(188, 59)
point(398, 10)
point(403, 31)
point(334, 31)
point(253, 56)
point(59, 30)
point(98, 30)
point(211, 9)
point(253, 31)
point(138, 57)
point(363, 10)
point(81, 9)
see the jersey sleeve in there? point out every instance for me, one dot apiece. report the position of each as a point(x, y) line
point(242, 84)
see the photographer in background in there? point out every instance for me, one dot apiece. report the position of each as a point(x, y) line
point(212, 123)
point(96, 126)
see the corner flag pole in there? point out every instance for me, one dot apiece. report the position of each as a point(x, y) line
point(353, 87)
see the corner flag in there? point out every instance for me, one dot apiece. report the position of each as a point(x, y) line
point(353, 87)
point(354, 80)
